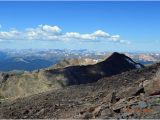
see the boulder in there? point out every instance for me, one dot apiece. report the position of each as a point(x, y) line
point(152, 87)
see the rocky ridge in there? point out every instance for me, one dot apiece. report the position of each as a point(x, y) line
point(127, 95)
point(15, 85)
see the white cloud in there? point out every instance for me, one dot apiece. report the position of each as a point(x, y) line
point(100, 33)
point(72, 35)
point(75, 35)
point(9, 35)
point(52, 29)
point(115, 37)
point(47, 32)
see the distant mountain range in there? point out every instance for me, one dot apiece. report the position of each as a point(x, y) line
point(29, 60)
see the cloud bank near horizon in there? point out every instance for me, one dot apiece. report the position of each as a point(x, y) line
point(55, 33)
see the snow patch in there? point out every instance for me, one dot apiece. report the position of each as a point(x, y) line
point(131, 62)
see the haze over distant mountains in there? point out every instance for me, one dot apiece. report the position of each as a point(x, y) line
point(29, 59)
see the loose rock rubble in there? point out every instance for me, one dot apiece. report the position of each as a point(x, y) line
point(127, 95)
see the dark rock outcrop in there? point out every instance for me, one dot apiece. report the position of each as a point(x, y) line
point(74, 75)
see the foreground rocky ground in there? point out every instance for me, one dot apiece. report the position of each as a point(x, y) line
point(132, 94)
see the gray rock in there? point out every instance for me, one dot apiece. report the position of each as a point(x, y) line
point(142, 104)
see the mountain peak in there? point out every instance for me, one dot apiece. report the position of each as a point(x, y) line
point(116, 55)
point(121, 60)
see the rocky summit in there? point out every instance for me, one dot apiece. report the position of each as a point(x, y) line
point(117, 88)
point(75, 75)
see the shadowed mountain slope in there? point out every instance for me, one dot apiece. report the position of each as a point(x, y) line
point(74, 75)
point(118, 96)
point(14, 85)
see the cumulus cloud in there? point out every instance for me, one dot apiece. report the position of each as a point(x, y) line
point(47, 32)
point(75, 35)
point(100, 33)
point(51, 29)
point(9, 35)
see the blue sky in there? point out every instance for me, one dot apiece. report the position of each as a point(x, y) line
point(102, 26)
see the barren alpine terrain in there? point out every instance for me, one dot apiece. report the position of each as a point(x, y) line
point(133, 93)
